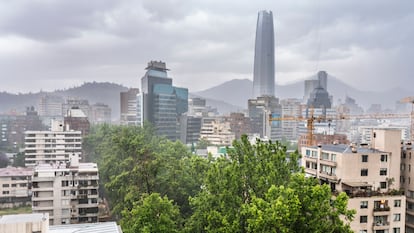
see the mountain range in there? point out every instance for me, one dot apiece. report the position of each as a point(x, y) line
point(230, 96)
point(236, 92)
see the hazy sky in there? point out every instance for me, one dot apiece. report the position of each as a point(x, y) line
point(51, 44)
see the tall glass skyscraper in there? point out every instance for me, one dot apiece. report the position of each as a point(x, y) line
point(264, 56)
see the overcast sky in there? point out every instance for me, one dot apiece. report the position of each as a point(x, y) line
point(51, 44)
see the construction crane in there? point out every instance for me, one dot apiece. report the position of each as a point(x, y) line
point(312, 119)
point(410, 99)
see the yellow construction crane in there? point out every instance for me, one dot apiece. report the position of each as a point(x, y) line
point(312, 119)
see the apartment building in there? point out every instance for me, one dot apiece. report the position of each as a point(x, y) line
point(51, 146)
point(407, 162)
point(217, 131)
point(15, 186)
point(369, 174)
point(67, 192)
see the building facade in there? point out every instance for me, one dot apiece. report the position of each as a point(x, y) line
point(129, 106)
point(161, 103)
point(369, 174)
point(264, 56)
point(15, 186)
point(51, 146)
point(261, 110)
point(68, 193)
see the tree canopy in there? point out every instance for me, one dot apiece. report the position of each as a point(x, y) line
point(254, 188)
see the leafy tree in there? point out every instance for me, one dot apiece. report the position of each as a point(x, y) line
point(18, 160)
point(257, 188)
point(152, 213)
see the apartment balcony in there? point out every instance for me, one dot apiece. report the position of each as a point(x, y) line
point(328, 162)
point(310, 159)
point(409, 224)
point(310, 171)
point(378, 211)
point(42, 198)
point(328, 175)
point(380, 226)
point(409, 212)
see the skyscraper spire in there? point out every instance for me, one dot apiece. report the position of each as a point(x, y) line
point(264, 56)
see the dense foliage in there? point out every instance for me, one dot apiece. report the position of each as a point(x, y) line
point(155, 185)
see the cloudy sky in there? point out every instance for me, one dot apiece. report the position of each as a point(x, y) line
point(49, 44)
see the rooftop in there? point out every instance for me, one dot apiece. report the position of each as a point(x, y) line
point(19, 218)
point(15, 171)
point(103, 227)
point(345, 149)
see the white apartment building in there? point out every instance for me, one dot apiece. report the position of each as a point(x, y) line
point(369, 174)
point(51, 146)
point(15, 186)
point(68, 192)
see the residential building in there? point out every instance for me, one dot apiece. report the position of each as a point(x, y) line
point(291, 113)
point(129, 106)
point(407, 164)
point(100, 114)
point(67, 192)
point(51, 146)
point(217, 131)
point(15, 186)
point(239, 124)
point(264, 56)
point(50, 105)
point(161, 103)
point(369, 174)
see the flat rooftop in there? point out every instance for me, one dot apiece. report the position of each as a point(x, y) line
point(102, 227)
point(15, 171)
point(19, 218)
point(345, 148)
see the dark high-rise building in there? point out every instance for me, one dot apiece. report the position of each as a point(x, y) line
point(264, 56)
point(160, 102)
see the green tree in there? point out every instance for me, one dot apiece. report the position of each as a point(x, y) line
point(152, 213)
point(18, 160)
point(258, 188)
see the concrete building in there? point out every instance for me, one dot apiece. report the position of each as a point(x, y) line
point(239, 124)
point(15, 186)
point(369, 174)
point(407, 163)
point(264, 56)
point(50, 105)
point(51, 146)
point(217, 131)
point(24, 223)
point(291, 108)
point(161, 103)
point(198, 107)
point(13, 127)
point(67, 192)
point(310, 85)
point(76, 103)
point(76, 119)
point(100, 114)
point(129, 106)
point(190, 129)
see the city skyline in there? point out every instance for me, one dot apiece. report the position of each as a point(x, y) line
point(54, 45)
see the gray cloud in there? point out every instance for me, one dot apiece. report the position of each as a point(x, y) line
point(56, 44)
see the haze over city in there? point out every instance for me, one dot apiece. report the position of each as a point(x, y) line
point(48, 45)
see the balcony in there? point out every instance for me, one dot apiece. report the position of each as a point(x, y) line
point(379, 211)
point(328, 162)
point(329, 175)
point(381, 225)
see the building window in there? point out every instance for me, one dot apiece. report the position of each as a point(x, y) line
point(397, 203)
point(5, 185)
point(396, 230)
point(364, 172)
point(364, 204)
point(333, 157)
point(364, 158)
point(383, 171)
point(383, 185)
point(307, 153)
point(363, 231)
point(5, 192)
point(397, 217)
point(363, 219)
point(384, 158)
